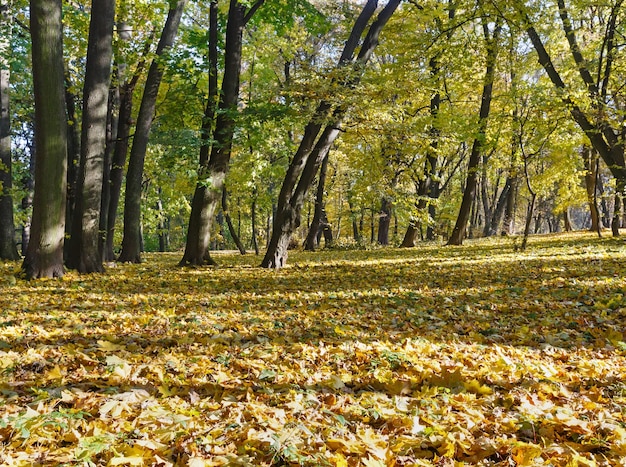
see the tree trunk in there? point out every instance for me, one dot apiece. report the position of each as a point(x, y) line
point(73, 153)
point(616, 223)
point(44, 256)
point(131, 242)
point(213, 170)
point(112, 126)
point(28, 186)
point(529, 217)
point(312, 238)
point(384, 221)
point(469, 193)
point(310, 153)
point(121, 143)
point(8, 248)
point(567, 224)
point(255, 243)
point(229, 222)
point(164, 237)
point(84, 251)
point(589, 159)
point(494, 221)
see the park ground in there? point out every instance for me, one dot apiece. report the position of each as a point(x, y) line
point(443, 356)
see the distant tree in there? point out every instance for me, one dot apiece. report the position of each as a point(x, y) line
point(491, 40)
point(599, 115)
point(44, 256)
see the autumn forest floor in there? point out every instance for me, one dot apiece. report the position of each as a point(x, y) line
point(473, 355)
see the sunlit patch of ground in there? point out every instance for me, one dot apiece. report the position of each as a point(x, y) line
point(478, 354)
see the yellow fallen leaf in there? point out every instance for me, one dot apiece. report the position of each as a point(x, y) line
point(526, 453)
point(127, 460)
point(55, 374)
point(108, 346)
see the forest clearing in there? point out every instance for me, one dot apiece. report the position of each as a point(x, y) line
point(470, 355)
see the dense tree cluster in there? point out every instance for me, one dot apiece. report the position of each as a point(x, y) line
point(152, 125)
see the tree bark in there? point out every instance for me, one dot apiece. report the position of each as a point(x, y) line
point(469, 193)
point(501, 206)
point(310, 153)
point(26, 204)
point(255, 243)
point(229, 222)
point(44, 256)
point(8, 248)
point(84, 251)
point(131, 242)
point(112, 126)
point(590, 186)
point(312, 238)
point(73, 153)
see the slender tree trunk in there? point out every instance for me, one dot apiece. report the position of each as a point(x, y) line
point(28, 186)
point(498, 213)
point(310, 153)
point(589, 156)
point(111, 135)
point(85, 238)
point(469, 193)
point(620, 190)
point(384, 221)
point(132, 240)
point(163, 225)
point(567, 224)
point(8, 248)
point(121, 142)
point(315, 228)
point(73, 153)
point(44, 256)
point(255, 243)
point(229, 222)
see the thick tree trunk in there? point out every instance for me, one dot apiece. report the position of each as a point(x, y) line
point(8, 248)
point(312, 238)
point(213, 171)
point(131, 242)
point(84, 251)
point(469, 193)
point(310, 153)
point(44, 256)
